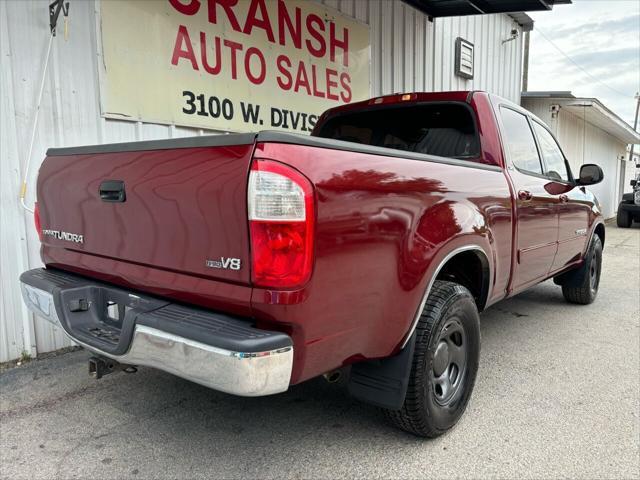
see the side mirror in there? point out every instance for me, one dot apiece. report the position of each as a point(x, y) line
point(590, 174)
point(633, 183)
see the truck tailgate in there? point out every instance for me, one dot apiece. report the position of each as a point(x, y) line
point(184, 209)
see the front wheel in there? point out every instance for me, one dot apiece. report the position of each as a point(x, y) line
point(445, 362)
point(584, 289)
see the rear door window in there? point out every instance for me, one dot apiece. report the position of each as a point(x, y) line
point(520, 142)
point(442, 129)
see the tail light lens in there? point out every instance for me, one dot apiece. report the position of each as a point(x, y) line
point(36, 220)
point(281, 221)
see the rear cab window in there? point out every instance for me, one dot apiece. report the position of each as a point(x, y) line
point(432, 128)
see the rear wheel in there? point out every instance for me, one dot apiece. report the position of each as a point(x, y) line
point(623, 219)
point(585, 289)
point(445, 362)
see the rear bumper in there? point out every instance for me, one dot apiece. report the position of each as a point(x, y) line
point(215, 350)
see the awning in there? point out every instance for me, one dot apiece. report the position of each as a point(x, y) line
point(453, 8)
point(516, 8)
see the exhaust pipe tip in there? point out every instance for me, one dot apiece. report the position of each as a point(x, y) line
point(333, 377)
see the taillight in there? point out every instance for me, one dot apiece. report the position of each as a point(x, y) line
point(281, 220)
point(36, 220)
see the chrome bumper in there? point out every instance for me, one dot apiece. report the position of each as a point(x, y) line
point(236, 372)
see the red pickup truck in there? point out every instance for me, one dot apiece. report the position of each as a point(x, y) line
point(252, 262)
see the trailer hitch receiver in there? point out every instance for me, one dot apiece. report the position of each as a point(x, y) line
point(99, 367)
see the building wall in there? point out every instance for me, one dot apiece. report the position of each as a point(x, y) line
point(584, 143)
point(408, 53)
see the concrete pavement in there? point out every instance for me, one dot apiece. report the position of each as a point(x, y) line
point(557, 395)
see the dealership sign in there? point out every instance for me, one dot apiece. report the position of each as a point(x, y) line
point(230, 64)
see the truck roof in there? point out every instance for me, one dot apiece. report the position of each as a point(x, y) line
point(398, 98)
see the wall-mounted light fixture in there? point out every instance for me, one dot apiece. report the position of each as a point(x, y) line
point(514, 35)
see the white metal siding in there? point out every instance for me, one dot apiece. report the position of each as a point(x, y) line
point(407, 54)
point(497, 64)
point(540, 109)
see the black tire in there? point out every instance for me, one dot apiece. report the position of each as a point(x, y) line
point(623, 219)
point(583, 289)
point(447, 334)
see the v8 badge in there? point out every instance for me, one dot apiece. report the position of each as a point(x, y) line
point(225, 263)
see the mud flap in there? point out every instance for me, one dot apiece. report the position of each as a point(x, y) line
point(383, 382)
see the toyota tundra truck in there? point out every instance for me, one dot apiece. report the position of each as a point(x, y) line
point(252, 262)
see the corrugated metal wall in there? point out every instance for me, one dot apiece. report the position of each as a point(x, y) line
point(408, 53)
point(584, 143)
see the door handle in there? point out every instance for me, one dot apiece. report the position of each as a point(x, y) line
point(112, 191)
point(525, 195)
point(564, 198)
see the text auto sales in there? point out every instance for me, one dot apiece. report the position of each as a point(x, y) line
point(305, 32)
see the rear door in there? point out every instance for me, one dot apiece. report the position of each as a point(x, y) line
point(536, 208)
point(574, 207)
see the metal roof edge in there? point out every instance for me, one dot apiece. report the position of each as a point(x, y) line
point(614, 118)
point(567, 99)
point(547, 94)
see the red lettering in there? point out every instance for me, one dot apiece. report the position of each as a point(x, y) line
point(343, 44)
point(314, 78)
point(345, 81)
point(190, 9)
point(331, 83)
point(227, 6)
point(263, 22)
point(281, 62)
point(187, 52)
point(284, 21)
point(233, 47)
point(215, 70)
point(315, 32)
point(257, 80)
point(302, 80)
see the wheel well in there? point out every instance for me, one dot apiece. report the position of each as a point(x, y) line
point(471, 270)
point(600, 232)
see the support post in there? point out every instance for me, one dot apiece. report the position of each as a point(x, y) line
point(635, 126)
point(525, 63)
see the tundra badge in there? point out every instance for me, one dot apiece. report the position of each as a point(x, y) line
point(225, 263)
point(69, 237)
